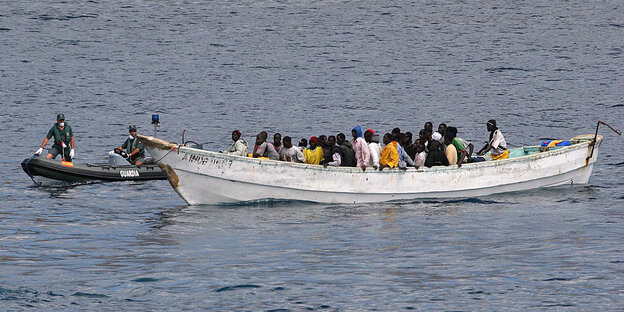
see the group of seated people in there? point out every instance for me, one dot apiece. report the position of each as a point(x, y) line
point(431, 148)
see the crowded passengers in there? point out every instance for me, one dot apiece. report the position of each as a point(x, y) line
point(432, 148)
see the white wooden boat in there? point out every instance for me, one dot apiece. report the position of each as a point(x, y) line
point(205, 177)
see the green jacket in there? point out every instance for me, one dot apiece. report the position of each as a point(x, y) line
point(131, 145)
point(61, 136)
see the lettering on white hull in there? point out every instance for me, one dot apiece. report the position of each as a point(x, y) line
point(203, 161)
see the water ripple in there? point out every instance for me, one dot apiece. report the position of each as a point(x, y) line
point(229, 288)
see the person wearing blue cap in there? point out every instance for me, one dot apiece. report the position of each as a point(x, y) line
point(362, 153)
point(133, 147)
point(63, 140)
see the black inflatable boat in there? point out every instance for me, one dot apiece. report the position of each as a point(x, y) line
point(43, 170)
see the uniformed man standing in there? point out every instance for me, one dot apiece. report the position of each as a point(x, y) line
point(133, 147)
point(63, 140)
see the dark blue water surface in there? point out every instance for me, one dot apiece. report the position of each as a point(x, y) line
point(542, 69)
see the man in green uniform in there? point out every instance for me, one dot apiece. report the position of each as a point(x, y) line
point(133, 147)
point(63, 140)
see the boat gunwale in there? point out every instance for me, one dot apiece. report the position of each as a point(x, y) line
point(172, 147)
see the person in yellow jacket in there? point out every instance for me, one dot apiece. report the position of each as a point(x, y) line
point(389, 154)
point(314, 154)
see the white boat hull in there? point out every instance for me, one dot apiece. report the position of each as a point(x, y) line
point(204, 177)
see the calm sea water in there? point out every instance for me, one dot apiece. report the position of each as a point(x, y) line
point(543, 69)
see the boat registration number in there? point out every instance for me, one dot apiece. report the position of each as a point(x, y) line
point(129, 173)
point(203, 160)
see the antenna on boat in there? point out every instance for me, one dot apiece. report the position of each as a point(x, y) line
point(155, 122)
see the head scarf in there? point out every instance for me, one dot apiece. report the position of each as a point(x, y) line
point(358, 131)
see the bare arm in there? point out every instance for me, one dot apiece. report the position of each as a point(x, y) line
point(45, 142)
point(257, 153)
point(136, 151)
point(461, 158)
point(485, 149)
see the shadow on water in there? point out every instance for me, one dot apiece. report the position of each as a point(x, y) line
point(567, 193)
point(58, 191)
point(471, 200)
point(23, 294)
point(501, 198)
point(170, 225)
point(288, 211)
point(280, 203)
point(165, 218)
point(265, 203)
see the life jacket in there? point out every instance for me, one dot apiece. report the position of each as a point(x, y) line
point(58, 139)
point(132, 145)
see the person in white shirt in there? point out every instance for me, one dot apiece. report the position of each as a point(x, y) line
point(239, 147)
point(496, 143)
point(374, 147)
point(442, 131)
point(277, 142)
point(421, 154)
point(334, 154)
point(434, 134)
point(291, 153)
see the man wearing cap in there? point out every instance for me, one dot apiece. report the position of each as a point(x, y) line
point(134, 147)
point(496, 143)
point(63, 140)
point(314, 154)
point(362, 153)
point(239, 147)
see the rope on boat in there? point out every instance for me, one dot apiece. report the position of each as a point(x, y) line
point(28, 169)
point(159, 159)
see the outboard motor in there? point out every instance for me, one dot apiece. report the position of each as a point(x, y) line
point(115, 159)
